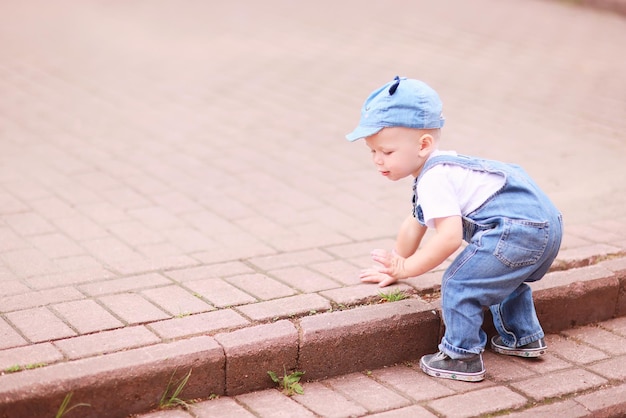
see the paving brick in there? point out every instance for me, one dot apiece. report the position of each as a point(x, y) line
point(564, 409)
point(204, 323)
point(269, 347)
point(599, 338)
point(28, 223)
point(28, 262)
point(29, 323)
point(414, 411)
point(170, 413)
point(82, 275)
point(176, 300)
point(273, 262)
point(9, 337)
point(39, 298)
point(617, 325)
point(9, 240)
point(572, 350)
point(613, 368)
point(478, 402)
point(134, 233)
point(332, 343)
point(146, 265)
point(328, 403)
point(368, 393)
point(86, 316)
point(81, 228)
point(338, 270)
point(111, 250)
point(303, 279)
point(271, 402)
point(502, 369)
point(285, 307)
point(133, 308)
point(605, 402)
point(125, 284)
point(360, 293)
point(220, 293)
point(210, 272)
point(558, 384)
point(106, 342)
point(56, 245)
point(12, 286)
point(226, 408)
point(261, 286)
point(29, 356)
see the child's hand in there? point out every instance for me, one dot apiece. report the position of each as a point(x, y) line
point(391, 269)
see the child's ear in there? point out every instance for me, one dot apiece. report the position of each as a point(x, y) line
point(427, 142)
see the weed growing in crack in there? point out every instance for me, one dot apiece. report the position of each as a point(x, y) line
point(173, 400)
point(288, 383)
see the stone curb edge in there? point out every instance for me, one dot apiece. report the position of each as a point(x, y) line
point(323, 345)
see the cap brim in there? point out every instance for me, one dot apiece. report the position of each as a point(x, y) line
point(363, 132)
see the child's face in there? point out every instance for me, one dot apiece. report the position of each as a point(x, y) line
point(399, 152)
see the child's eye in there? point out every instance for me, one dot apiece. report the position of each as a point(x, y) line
point(387, 152)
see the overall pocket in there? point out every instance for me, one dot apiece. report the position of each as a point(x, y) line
point(522, 242)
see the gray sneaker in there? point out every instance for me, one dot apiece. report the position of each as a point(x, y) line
point(441, 365)
point(534, 349)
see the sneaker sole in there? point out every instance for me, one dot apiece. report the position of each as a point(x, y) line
point(528, 353)
point(446, 374)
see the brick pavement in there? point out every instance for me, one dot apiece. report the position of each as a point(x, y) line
point(170, 174)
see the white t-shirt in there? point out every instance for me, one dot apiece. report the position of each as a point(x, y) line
point(449, 190)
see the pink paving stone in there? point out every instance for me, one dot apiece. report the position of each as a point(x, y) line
point(56, 245)
point(304, 279)
point(328, 403)
point(572, 350)
point(87, 316)
point(28, 224)
point(133, 308)
point(125, 284)
point(176, 300)
point(271, 402)
point(260, 286)
point(290, 259)
point(617, 325)
point(9, 240)
point(559, 383)
point(285, 307)
point(549, 362)
point(78, 262)
point(111, 250)
point(106, 342)
point(135, 233)
point(599, 338)
point(167, 413)
point(339, 270)
point(81, 228)
point(69, 278)
point(103, 213)
point(9, 337)
point(9, 287)
point(145, 265)
point(412, 382)
point(39, 298)
point(502, 369)
point(44, 353)
point(204, 323)
point(188, 239)
point(221, 407)
point(565, 409)
point(367, 392)
point(413, 411)
point(220, 293)
point(614, 368)
point(563, 278)
point(28, 262)
point(613, 398)
point(478, 402)
point(209, 272)
point(39, 324)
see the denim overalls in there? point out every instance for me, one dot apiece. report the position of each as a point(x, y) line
point(513, 237)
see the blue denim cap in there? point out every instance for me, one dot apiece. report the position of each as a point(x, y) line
point(401, 102)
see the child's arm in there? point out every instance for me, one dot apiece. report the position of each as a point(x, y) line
point(442, 245)
point(409, 237)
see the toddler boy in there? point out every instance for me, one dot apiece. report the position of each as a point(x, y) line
point(512, 229)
